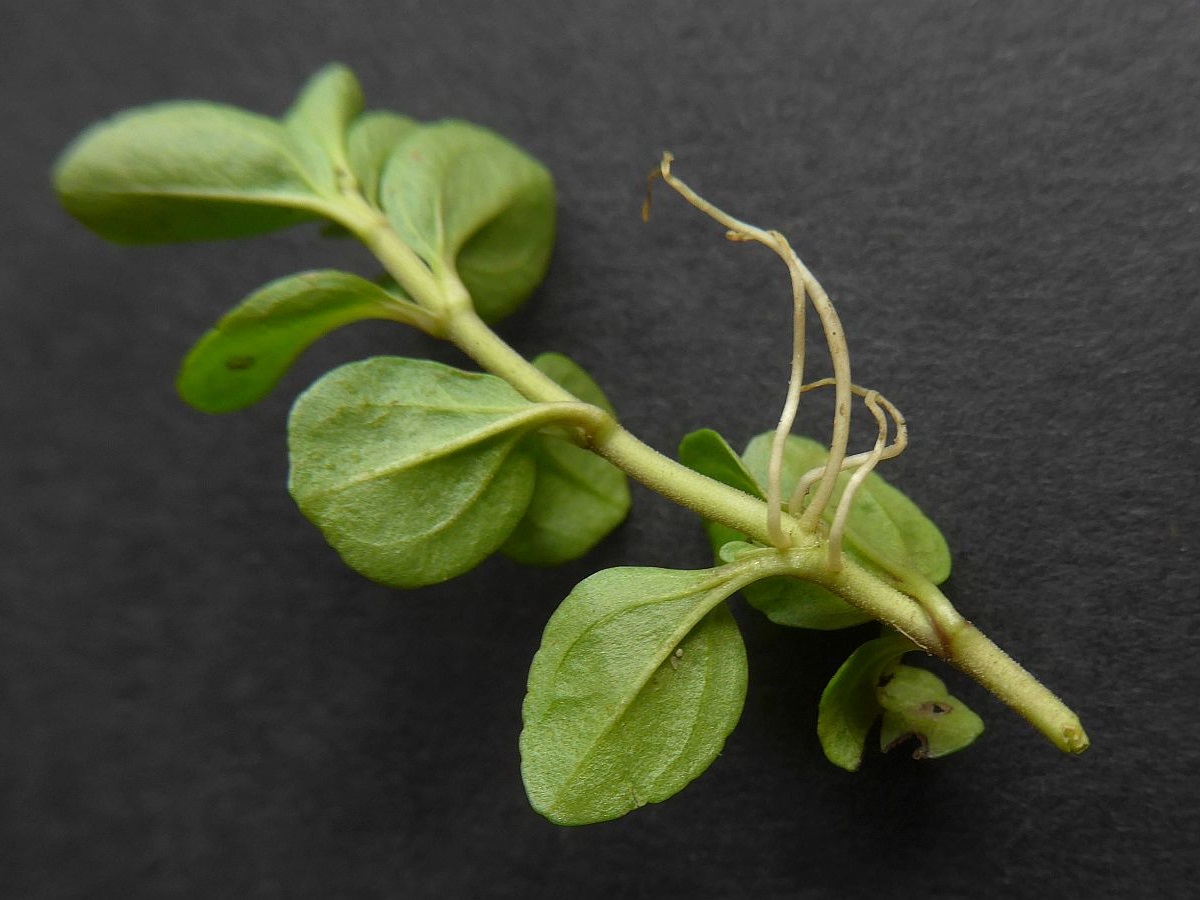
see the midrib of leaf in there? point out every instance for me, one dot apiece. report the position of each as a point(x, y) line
point(311, 202)
point(524, 418)
point(605, 619)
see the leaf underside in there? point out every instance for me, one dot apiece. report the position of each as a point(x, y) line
point(239, 361)
point(187, 171)
point(414, 471)
point(640, 678)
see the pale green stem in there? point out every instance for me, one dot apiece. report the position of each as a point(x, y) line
point(699, 493)
point(402, 263)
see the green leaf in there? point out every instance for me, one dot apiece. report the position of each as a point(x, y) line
point(414, 471)
point(916, 705)
point(187, 171)
point(639, 680)
point(323, 112)
point(708, 453)
point(237, 363)
point(794, 603)
point(883, 524)
point(468, 201)
point(373, 137)
point(578, 497)
point(849, 704)
point(568, 374)
point(783, 599)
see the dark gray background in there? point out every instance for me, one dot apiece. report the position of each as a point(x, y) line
point(198, 700)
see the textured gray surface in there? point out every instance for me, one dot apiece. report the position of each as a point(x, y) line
point(197, 700)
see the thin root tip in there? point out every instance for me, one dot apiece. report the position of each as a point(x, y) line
point(663, 171)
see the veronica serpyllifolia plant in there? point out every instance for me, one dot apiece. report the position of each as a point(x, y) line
point(415, 472)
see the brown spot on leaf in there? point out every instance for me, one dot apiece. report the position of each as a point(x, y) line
point(237, 363)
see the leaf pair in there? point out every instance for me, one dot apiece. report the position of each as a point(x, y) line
point(416, 472)
point(468, 202)
point(913, 703)
point(884, 528)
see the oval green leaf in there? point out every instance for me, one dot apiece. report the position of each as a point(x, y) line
point(469, 201)
point(579, 497)
point(640, 678)
point(322, 113)
point(849, 704)
point(415, 472)
point(237, 363)
point(783, 599)
point(187, 171)
point(916, 705)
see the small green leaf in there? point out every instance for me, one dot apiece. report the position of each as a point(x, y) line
point(469, 201)
point(323, 112)
point(783, 599)
point(237, 363)
point(187, 171)
point(639, 680)
point(916, 705)
point(849, 705)
point(373, 137)
point(414, 471)
point(571, 376)
point(707, 452)
point(883, 524)
point(735, 550)
point(579, 497)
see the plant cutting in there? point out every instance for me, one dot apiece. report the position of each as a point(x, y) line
point(415, 472)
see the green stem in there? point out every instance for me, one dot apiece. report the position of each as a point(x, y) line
point(974, 653)
point(699, 493)
point(372, 228)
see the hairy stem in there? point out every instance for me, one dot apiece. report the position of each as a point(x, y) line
point(958, 642)
point(699, 493)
